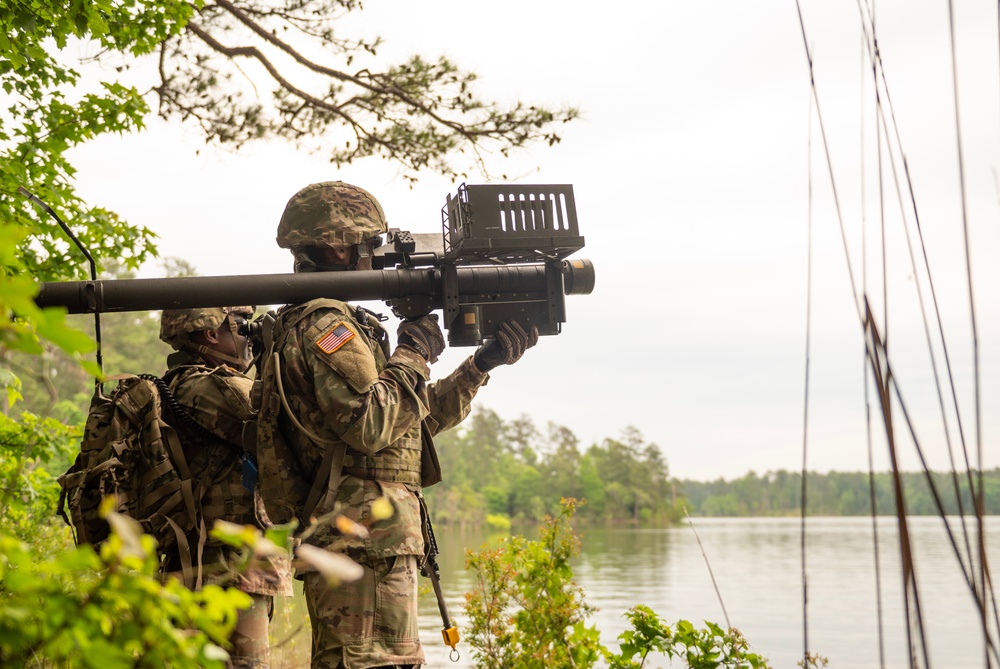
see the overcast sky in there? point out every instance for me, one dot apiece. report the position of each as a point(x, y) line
point(691, 171)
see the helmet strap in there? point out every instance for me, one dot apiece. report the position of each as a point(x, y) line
point(209, 352)
point(243, 363)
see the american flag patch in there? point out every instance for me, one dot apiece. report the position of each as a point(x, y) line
point(335, 338)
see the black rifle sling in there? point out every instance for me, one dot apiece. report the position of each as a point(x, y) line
point(189, 420)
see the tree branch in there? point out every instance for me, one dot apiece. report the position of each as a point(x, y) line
point(337, 74)
point(255, 53)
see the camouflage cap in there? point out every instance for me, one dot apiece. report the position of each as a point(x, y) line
point(177, 324)
point(330, 213)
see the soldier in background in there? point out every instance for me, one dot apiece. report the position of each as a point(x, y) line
point(347, 393)
point(205, 376)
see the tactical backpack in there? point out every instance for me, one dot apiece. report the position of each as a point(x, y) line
point(130, 451)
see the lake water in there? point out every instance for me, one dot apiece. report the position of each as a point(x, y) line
point(757, 567)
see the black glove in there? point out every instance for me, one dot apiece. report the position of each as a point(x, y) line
point(423, 336)
point(506, 348)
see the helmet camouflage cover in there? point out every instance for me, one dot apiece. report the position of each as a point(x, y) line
point(330, 213)
point(177, 324)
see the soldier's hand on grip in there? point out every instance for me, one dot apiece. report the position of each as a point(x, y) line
point(422, 335)
point(506, 348)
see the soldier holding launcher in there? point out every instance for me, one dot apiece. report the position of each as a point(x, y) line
point(349, 400)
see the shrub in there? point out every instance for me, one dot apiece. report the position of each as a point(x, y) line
point(108, 609)
point(525, 612)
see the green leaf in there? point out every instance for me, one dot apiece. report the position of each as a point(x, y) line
point(100, 654)
point(92, 368)
point(281, 535)
point(51, 325)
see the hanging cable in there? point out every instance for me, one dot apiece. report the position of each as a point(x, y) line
point(985, 578)
point(978, 493)
point(867, 325)
point(805, 410)
point(911, 597)
point(93, 273)
point(865, 50)
point(878, 68)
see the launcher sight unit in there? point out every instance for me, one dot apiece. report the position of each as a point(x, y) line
point(501, 255)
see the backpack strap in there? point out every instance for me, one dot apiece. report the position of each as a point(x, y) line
point(330, 473)
point(184, 551)
point(192, 570)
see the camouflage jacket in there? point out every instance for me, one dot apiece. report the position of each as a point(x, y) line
point(218, 399)
point(343, 387)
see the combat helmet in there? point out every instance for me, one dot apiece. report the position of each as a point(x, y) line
point(177, 325)
point(330, 213)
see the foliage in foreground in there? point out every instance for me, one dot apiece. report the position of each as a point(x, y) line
point(700, 648)
point(31, 448)
point(76, 607)
point(108, 609)
point(525, 611)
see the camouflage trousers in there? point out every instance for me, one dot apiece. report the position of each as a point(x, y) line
point(251, 649)
point(369, 623)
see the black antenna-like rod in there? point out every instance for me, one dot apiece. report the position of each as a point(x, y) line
point(90, 259)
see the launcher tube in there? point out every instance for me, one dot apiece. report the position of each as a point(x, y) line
point(190, 292)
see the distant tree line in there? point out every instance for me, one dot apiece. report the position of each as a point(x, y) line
point(509, 471)
point(837, 494)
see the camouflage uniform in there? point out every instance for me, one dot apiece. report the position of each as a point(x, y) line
point(375, 404)
point(344, 387)
point(217, 398)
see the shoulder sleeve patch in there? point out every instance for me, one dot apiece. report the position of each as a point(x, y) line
point(341, 348)
point(335, 338)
